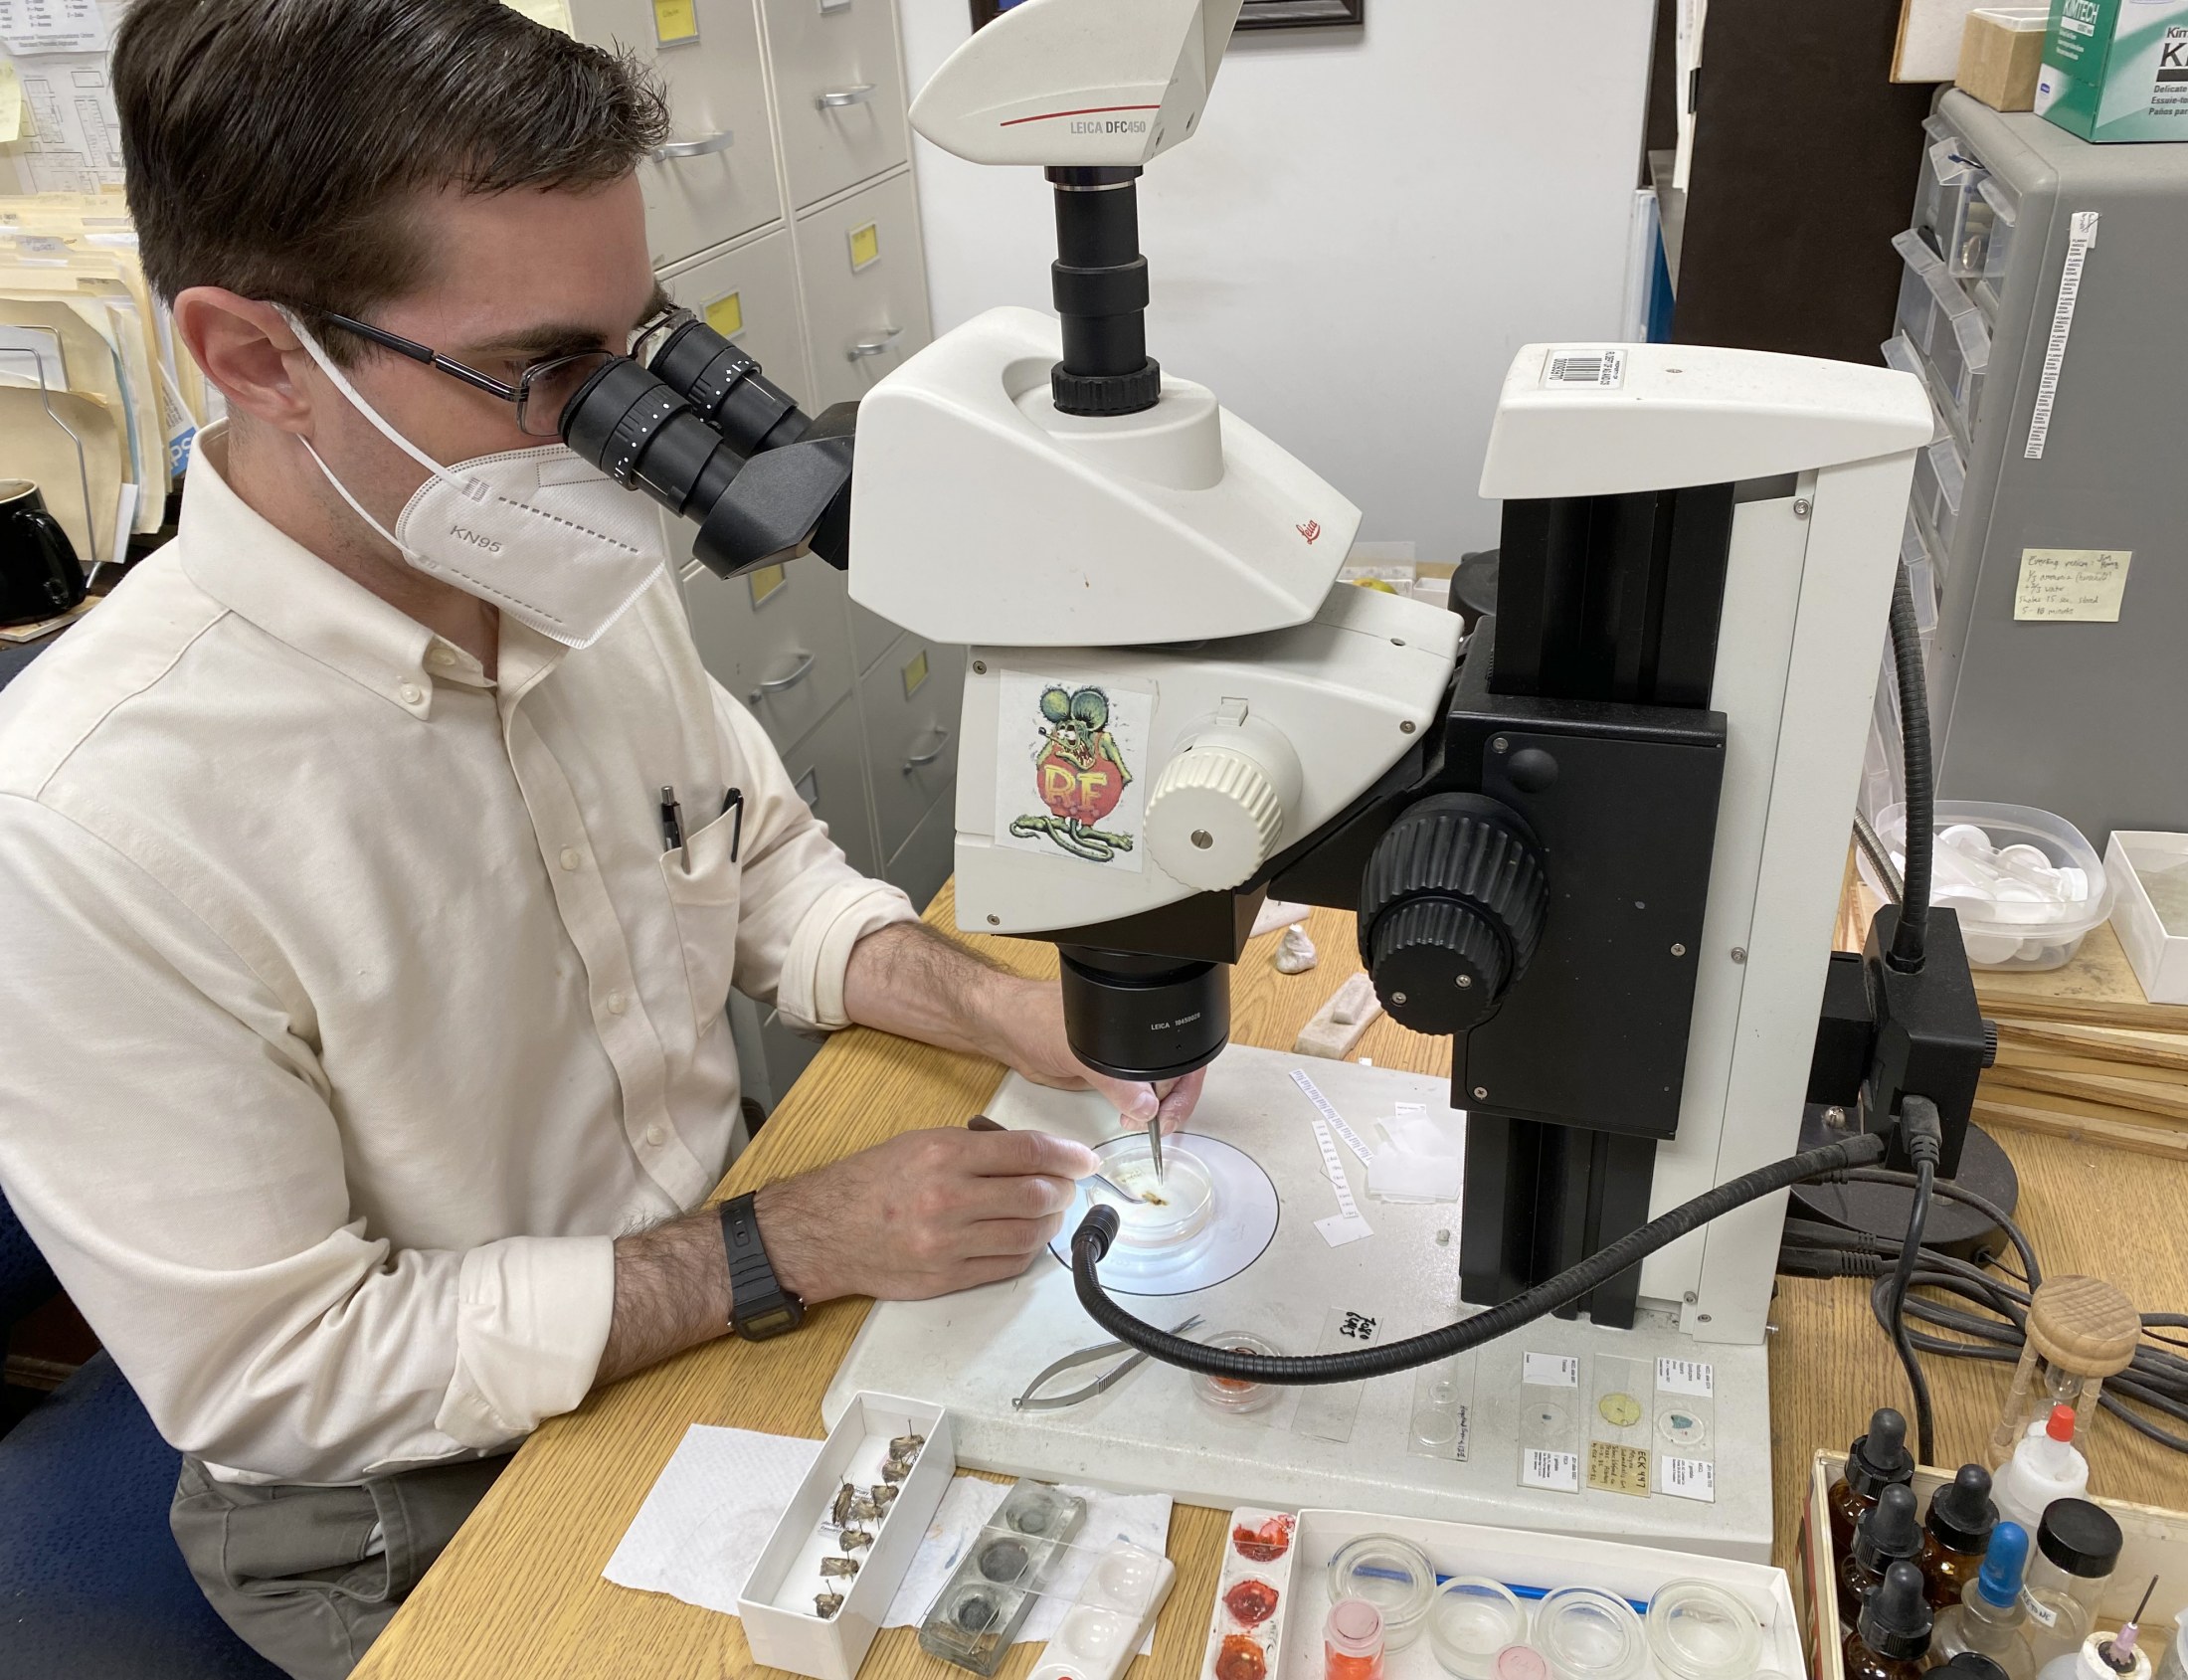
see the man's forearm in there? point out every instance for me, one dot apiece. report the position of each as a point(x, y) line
point(671, 1293)
point(909, 980)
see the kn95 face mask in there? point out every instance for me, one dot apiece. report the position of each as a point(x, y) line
point(540, 533)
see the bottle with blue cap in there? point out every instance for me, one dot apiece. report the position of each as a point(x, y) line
point(1987, 1620)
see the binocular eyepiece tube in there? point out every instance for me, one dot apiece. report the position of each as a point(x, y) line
point(698, 428)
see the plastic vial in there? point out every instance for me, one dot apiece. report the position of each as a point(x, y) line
point(2045, 1468)
point(1351, 1641)
point(1955, 1534)
point(1988, 1618)
point(1392, 1574)
point(1891, 1635)
point(2096, 1660)
point(2077, 1547)
point(1521, 1662)
point(1876, 1460)
point(1887, 1533)
point(2175, 1665)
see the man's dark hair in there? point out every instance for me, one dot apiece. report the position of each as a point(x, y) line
point(273, 147)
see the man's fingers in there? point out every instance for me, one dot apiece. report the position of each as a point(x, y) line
point(1135, 1100)
point(1179, 1098)
point(1017, 1152)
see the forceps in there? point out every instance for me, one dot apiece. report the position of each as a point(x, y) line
point(1087, 1356)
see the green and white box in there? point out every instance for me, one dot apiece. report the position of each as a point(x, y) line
point(2116, 70)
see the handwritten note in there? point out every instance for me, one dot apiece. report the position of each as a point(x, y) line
point(2071, 584)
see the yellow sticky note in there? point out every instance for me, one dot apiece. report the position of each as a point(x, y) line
point(915, 673)
point(11, 102)
point(865, 246)
point(2071, 584)
point(766, 580)
point(675, 21)
point(555, 14)
point(726, 314)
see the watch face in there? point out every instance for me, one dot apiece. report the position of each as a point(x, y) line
point(773, 1322)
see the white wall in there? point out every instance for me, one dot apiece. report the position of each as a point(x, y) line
point(1367, 225)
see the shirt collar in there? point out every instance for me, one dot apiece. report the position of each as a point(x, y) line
point(237, 556)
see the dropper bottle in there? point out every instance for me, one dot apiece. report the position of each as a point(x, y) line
point(1887, 1533)
point(1877, 1458)
point(1891, 1635)
point(1988, 1617)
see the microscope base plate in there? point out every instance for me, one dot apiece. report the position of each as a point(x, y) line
point(1560, 1402)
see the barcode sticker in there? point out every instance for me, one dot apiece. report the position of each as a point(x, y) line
point(1556, 1472)
point(1692, 1377)
point(1551, 1370)
point(1601, 369)
point(2081, 237)
point(1689, 1478)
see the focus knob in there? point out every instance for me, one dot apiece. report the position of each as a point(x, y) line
point(1451, 909)
point(1212, 818)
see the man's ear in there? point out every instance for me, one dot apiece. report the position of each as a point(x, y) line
point(249, 351)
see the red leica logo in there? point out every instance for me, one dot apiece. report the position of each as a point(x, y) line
point(1310, 530)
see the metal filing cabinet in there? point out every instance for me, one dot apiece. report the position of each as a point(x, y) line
point(2081, 718)
point(865, 286)
point(782, 211)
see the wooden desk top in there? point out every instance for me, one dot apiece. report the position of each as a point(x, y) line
point(519, 1592)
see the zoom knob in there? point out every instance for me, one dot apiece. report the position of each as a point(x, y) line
point(1452, 906)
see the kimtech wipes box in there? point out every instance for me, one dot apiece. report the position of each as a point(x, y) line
point(2116, 70)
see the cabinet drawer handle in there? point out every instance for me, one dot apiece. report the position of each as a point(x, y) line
point(776, 684)
point(878, 345)
point(941, 743)
point(674, 149)
point(835, 98)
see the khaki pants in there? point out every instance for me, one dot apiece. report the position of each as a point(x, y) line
point(285, 1565)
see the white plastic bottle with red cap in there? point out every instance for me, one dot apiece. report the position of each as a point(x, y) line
point(2047, 1465)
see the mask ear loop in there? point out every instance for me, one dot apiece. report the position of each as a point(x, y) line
point(356, 401)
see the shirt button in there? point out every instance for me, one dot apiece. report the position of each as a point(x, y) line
point(569, 857)
point(617, 1002)
point(411, 693)
point(441, 657)
point(656, 1135)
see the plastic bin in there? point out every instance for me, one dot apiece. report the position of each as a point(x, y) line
point(2029, 930)
point(2005, 219)
point(1900, 354)
point(1939, 143)
point(1941, 479)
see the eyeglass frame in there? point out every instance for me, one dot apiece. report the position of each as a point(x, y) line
point(520, 393)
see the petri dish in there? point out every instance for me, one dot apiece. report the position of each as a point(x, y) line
point(1232, 1394)
point(1590, 1634)
point(1472, 1620)
point(1392, 1574)
point(1700, 1631)
point(1174, 1209)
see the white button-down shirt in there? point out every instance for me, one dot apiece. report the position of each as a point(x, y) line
point(353, 1005)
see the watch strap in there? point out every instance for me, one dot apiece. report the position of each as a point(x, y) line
point(760, 1307)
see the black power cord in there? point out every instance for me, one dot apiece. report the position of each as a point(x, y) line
point(1090, 1242)
point(1925, 1132)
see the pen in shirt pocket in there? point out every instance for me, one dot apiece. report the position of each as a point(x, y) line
point(673, 834)
point(734, 800)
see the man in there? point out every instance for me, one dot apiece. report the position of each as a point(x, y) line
point(365, 1060)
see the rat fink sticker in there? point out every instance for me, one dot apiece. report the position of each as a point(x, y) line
point(1069, 782)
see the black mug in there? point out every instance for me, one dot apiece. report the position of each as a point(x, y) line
point(40, 577)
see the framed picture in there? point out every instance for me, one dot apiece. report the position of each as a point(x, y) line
point(1258, 14)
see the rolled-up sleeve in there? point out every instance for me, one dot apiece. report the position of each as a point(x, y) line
point(167, 1139)
point(802, 906)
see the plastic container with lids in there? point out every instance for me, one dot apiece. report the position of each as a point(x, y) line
point(1590, 1634)
point(1700, 1631)
point(1472, 1620)
point(1392, 1574)
point(2028, 887)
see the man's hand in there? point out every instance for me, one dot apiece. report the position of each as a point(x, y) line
point(911, 981)
point(924, 1213)
point(1030, 1023)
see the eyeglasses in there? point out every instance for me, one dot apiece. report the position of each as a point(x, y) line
point(542, 390)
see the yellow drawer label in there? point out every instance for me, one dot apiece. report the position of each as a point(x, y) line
point(675, 21)
point(865, 247)
point(766, 580)
point(726, 314)
point(915, 673)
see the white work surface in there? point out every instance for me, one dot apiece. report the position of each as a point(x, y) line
point(974, 1352)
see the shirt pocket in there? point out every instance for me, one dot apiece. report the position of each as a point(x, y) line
point(704, 882)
